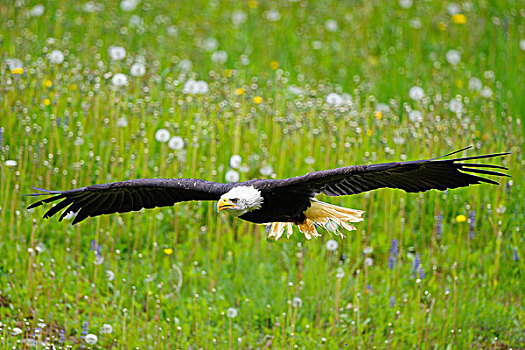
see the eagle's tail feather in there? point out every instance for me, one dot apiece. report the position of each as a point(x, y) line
point(319, 214)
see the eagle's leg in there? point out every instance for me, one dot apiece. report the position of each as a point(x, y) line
point(319, 214)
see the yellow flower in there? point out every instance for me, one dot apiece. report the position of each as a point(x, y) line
point(369, 132)
point(19, 70)
point(48, 83)
point(228, 73)
point(74, 87)
point(253, 3)
point(379, 115)
point(239, 91)
point(168, 251)
point(459, 18)
point(459, 83)
point(47, 102)
point(274, 64)
point(373, 60)
point(461, 218)
point(442, 26)
point(257, 99)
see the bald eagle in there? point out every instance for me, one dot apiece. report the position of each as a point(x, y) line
point(280, 204)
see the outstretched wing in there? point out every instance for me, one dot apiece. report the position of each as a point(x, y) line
point(411, 176)
point(130, 195)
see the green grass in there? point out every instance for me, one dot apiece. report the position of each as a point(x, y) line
point(178, 270)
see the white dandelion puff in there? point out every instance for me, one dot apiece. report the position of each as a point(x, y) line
point(14, 63)
point(92, 7)
point(331, 25)
point(334, 99)
point(110, 275)
point(369, 261)
point(297, 302)
point(340, 273)
point(219, 56)
point(190, 87)
point(117, 53)
point(453, 9)
point(37, 10)
point(231, 176)
point(455, 106)
point(201, 87)
point(294, 90)
point(486, 92)
point(106, 328)
point(176, 143)
point(91, 339)
point(56, 57)
point(128, 5)
point(119, 80)
point(210, 44)
point(406, 4)
point(416, 93)
point(475, 84)
point(453, 57)
point(332, 245)
point(239, 17)
point(185, 65)
point(137, 69)
point(368, 250)
point(266, 170)
point(231, 312)
point(172, 30)
point(272, 15)
point(162, 135)
point(235, 161)
point(415, 116)
point(122, 122)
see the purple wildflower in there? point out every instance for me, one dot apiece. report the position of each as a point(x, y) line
point(62, 338)
point(417, 267)
point(97, 248)
point(85, 328)
point(393, 252)
point(472, 219)
point(392, 301)
point(515, 255)
point(439, 225)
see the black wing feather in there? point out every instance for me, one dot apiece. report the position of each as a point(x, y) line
point(130, 195)
point(411, 176)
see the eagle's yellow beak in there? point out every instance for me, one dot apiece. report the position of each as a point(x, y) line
point(224, 203)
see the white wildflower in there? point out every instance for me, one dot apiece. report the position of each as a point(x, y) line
point(415, 116)
point(210, 44)
point(137, 69)
point(117, 53)
point(368, 250)
point(122, 122)
point(416, 93)
point(266, 170)
point(453, 57)
point(185, 65)
point(231, 312)
point(56, 57)
point(331, 25)
point(119, 80)
point(231, 176)
point(331, 245)
point(405, 3)
point(176, 143)
point(455, 106)
point(297, 302)
point(16, 331)
point(334, 99)
point(475, 84)
point(272, 15)
point(14, 63)
point(11, 163)
point(162, 135)
point(235, 161)
point(239, 17)
point(340, 273)
point(219, 56)
point(37, 10)
point(453, 9)
point(110, 275)
point(91, 339)
point(486, 92)
point(369, 261)
point(106, 328)
point(128, 5)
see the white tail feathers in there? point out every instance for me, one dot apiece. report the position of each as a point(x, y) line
point(320, 214)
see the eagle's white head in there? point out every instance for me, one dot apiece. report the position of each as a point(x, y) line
point(240, 200)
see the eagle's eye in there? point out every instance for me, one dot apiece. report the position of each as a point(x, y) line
point(234, 200)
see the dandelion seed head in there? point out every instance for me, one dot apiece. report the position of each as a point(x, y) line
point(162, 135)
point(486, 92)
point(474, 84)
point(415, 116)
point(185, 65)
point(235, 161)
point(117, 53)
point(368, 261)
point(455, 106)
point(231, 176)
point(266, 170)
point(239, 17)
point(272, 15)
point(453, 57)
point(453, 9)
point(176, 143)
point(106, 328)
point(137, 69)
point(56, 57)
point(91, 339)
point(210, 44)
point(331, 245)
point(297, 302)
point(231, 312)
point(119, 80)
point(37, 10)
point(416, 93)
point(128, 5)
point(122, 122)
point(334, 99)
point(331, 25)
point(110, 275)
point(219, 56)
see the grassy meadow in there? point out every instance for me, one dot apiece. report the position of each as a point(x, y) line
point(102, 91)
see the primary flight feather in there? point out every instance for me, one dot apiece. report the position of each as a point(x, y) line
point(278, 203)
